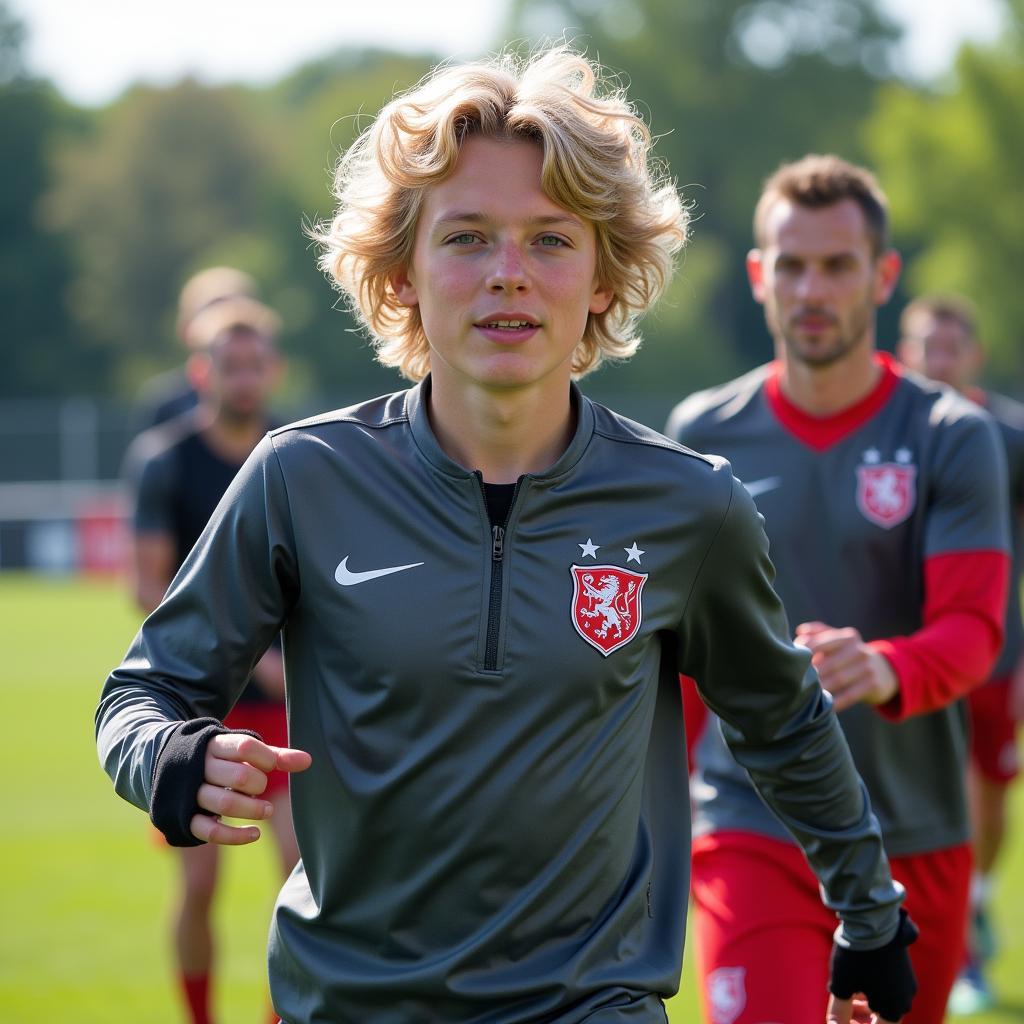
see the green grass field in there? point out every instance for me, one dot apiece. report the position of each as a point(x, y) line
point(86, 890)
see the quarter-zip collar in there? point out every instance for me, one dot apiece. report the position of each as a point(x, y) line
point(416, 399)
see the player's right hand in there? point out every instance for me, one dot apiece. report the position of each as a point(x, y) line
point(235, 774)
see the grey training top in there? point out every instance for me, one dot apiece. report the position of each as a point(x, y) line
point(495, 826)
point(851, 525)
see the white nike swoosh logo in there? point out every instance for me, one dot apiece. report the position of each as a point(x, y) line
point(756, 487)
point(347, 578)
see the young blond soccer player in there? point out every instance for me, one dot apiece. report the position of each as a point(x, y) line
point(488, 585)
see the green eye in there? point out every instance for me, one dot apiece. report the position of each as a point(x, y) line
point(551, 241)
point(466, 238)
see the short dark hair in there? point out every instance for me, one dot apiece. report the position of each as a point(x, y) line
point(956, 308)
point(240, 314)
point(817, 181)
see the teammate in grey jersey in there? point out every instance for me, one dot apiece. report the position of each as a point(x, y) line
point(884, 498)
point(939, 339)
point(487, 586)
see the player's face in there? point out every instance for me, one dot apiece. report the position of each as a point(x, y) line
point(504, 278)
point(819, 280)
point(941, 348)
point(243, 370)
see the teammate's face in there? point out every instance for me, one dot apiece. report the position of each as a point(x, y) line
point(243, 369)
point(504, 278)
point(941, 348)
point(819, 280)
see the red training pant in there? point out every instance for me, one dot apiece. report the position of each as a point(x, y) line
point(763, 936)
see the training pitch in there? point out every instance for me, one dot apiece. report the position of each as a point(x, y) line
point(86, 937)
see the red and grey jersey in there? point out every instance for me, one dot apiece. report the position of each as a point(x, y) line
point(889, 517)
point(1009, 417)
point(495, 824)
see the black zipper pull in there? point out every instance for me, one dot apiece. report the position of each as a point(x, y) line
point(498, 543)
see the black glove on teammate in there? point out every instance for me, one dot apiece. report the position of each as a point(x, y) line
point(884, 975)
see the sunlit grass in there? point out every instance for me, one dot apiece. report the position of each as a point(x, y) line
point(87, 890)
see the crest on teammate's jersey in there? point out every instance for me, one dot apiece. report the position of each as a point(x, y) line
point(606, 608)
point(727, 994)
point(886, 491)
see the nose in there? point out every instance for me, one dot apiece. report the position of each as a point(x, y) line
point(507, 272)
point(810, 285)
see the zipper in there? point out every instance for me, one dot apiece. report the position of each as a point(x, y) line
point(497, 579)
point(494, 601)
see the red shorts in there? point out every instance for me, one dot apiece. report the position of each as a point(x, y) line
point(269, 720)
point(993, 731)
point(763, 936)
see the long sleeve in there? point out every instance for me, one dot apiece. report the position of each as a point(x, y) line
point(964, 602)
point(780, 726)
point(195, 652)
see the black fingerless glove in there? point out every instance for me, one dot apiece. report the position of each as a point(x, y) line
point(179, 771)
point(884, 975)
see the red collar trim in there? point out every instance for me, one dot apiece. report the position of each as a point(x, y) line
point(821, 432)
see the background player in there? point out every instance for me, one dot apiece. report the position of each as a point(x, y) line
point(488, 585)
point(884, 501)
point(180, 471)
point(939, 339)
point(175, 392)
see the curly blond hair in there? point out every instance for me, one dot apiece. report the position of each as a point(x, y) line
point(597, 164)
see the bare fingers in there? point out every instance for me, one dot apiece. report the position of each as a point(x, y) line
point(212, 830)
point(239, 747)
point(227, 802)
point(235, 772)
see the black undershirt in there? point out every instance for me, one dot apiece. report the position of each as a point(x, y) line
point(499, 501)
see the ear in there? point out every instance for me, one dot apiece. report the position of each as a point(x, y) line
point(601, 299)
point(197, 370)
point(403, 287)
point(755, 274)
point(887, 273)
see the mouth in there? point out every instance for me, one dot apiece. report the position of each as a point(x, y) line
point(814, 324)
point(511, 324)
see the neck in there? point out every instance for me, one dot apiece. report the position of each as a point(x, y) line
point(503, 434)
point(824, 390)
point(231, 437)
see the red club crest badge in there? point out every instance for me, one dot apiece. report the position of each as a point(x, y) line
point(886, 492)
point(606, 608)
point(727, 993)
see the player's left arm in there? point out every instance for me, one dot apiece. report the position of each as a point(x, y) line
point(965, 580)
point(734, 643)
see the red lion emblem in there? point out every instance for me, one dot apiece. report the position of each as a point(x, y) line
point(886, 492)
point(606, 609)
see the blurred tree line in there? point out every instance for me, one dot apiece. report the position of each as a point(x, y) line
point(106, 211)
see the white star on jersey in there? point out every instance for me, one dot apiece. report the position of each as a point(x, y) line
point(589, 549)
point(633, 554)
